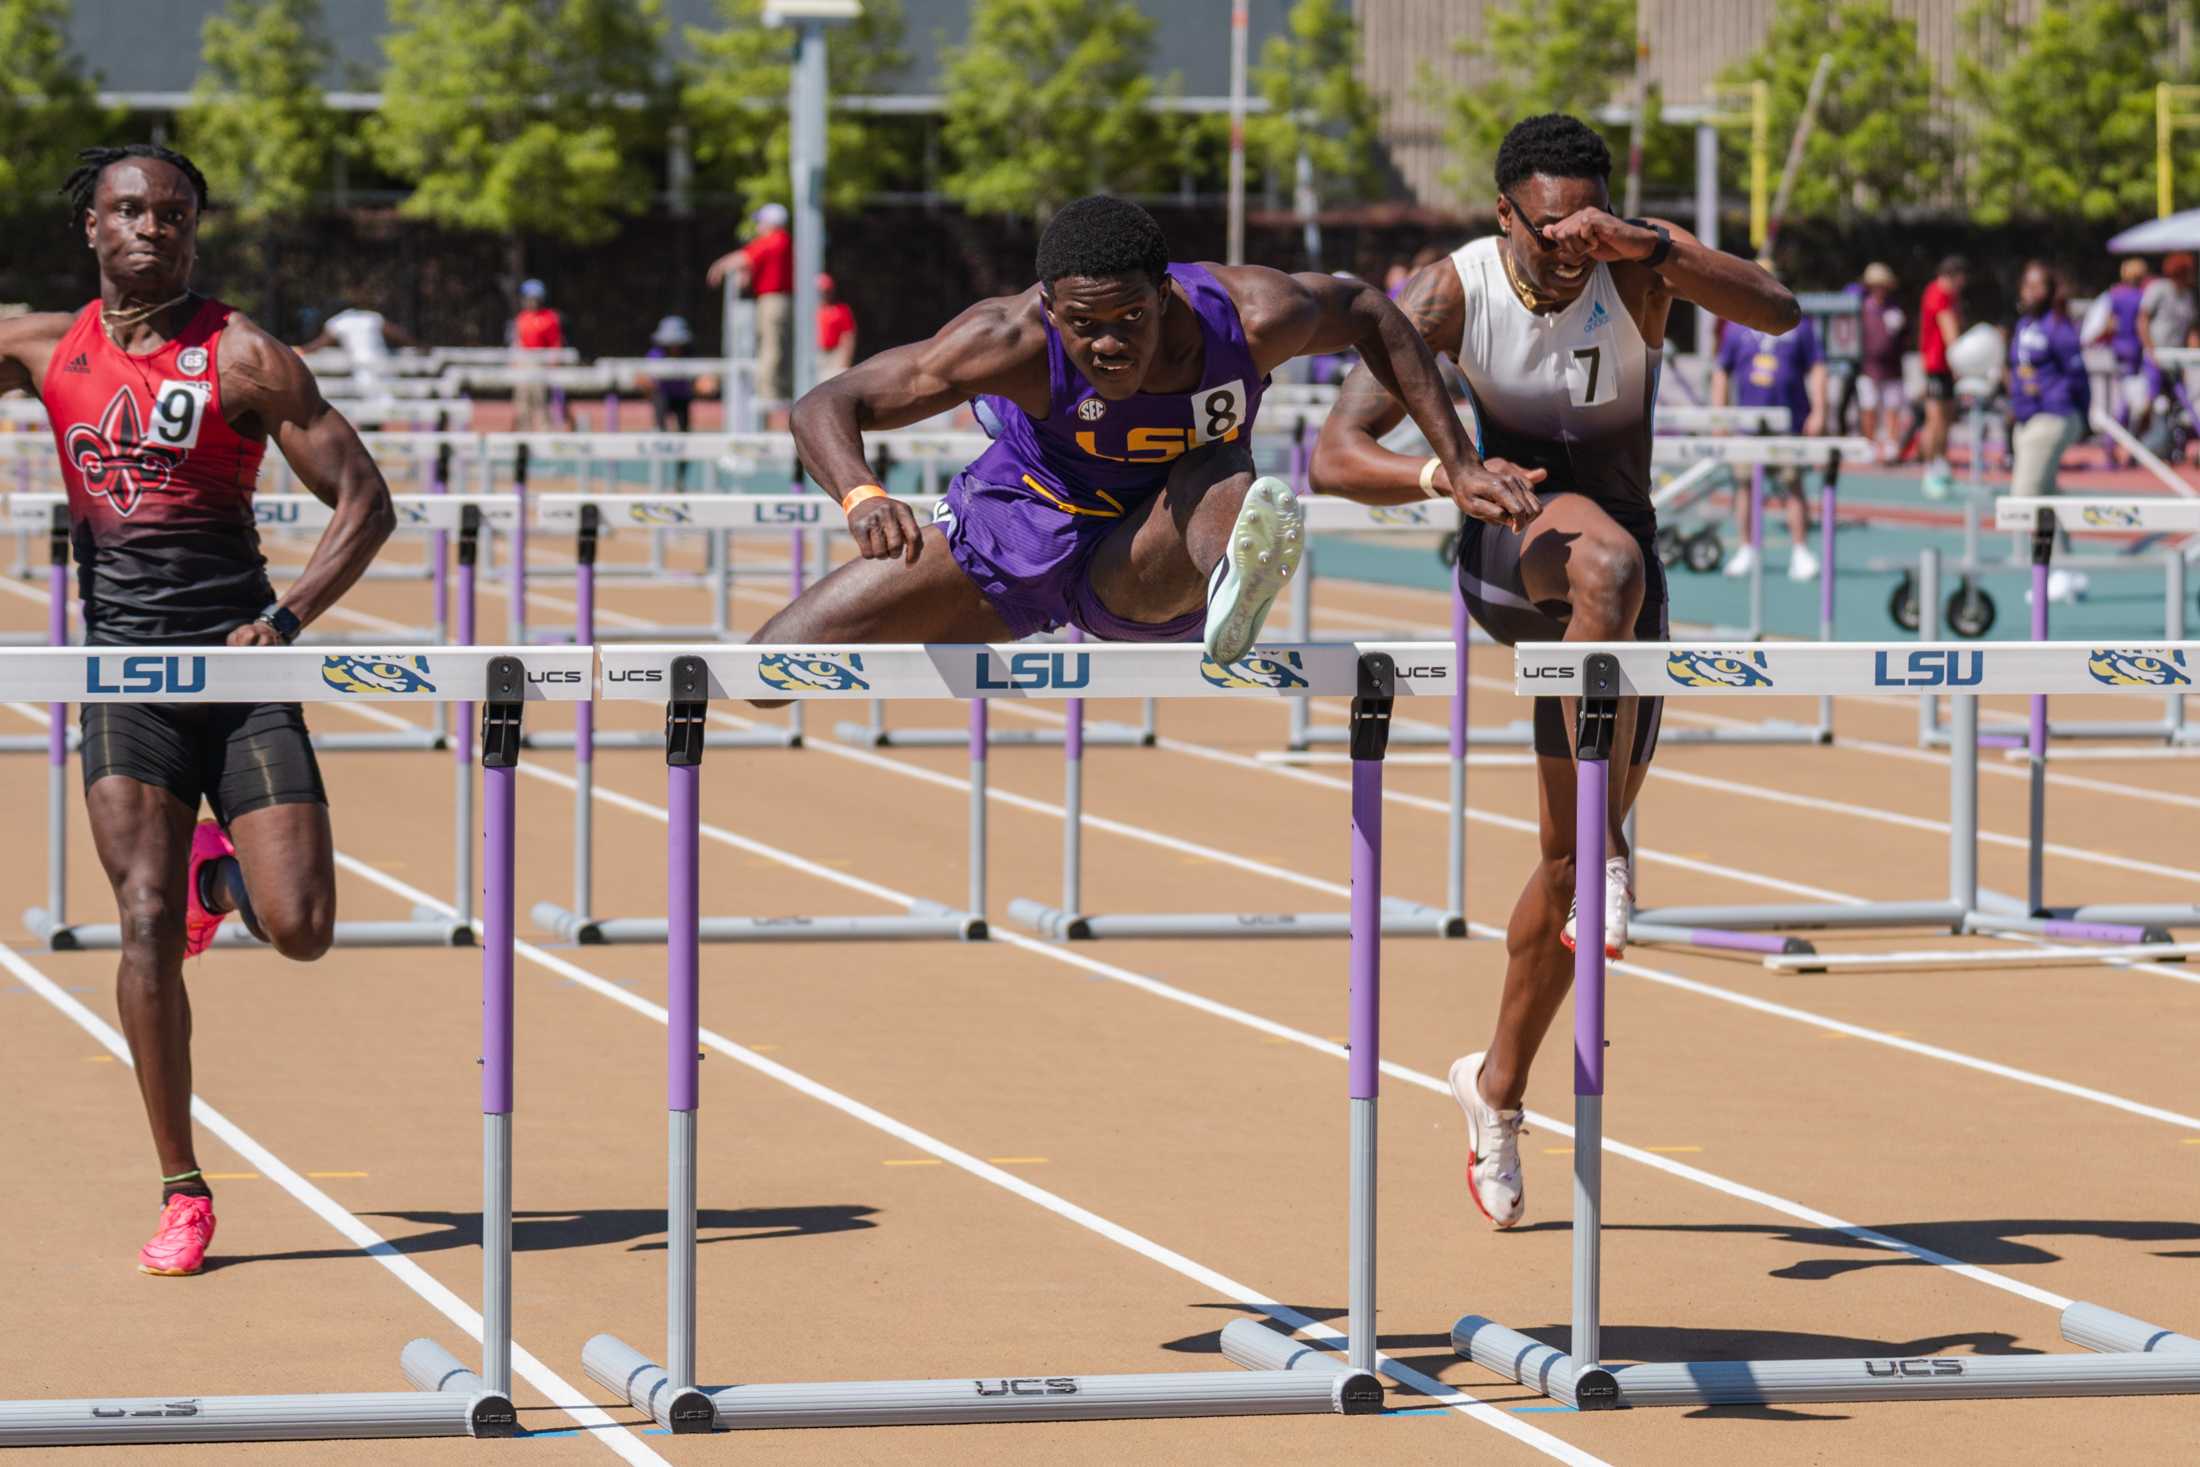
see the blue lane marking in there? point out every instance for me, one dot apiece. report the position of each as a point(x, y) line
point(1420, 1411)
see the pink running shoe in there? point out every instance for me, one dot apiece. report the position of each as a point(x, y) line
point(199, 925)
point(179, 1247)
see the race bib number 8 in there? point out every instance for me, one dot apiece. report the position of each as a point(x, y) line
point(1590, 380)
point(178, 410)
point(1218, 412)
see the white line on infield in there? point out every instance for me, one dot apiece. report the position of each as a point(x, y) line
point(1438, 1392)
point(553, 1387)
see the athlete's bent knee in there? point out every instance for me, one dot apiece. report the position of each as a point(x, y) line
point(302, 931)
point(1606, 578)
point(151, 925)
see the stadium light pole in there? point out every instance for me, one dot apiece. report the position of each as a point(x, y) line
point(806, 93)
point(1240, 23)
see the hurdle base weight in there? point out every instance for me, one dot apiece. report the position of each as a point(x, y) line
point(428, 929)
point(1546, 1369)
point(926, 921)
point(1400, 919)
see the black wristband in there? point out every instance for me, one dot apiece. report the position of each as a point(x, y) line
point(1661, 249)
point(283, 621)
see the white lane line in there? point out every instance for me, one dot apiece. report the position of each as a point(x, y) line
point(1161, 989)
point(1427, 1385)
point(1342, 891)
point(554, 1388)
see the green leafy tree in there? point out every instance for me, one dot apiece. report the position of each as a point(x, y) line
point(520, 117)
point(1310, 80)
point(1571, 56)
point(2063, 109)
point(48, 106)
point(259, 122)
point(735, 97)
point(1047, 102)
point(1876, 141)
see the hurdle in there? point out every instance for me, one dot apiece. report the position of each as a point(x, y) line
point(2127, 1356)
point(362, 677)
point(1282, 1375)
point(448, 1398)
point(784, 676)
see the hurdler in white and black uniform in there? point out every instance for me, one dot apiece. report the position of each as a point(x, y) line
point(1557, 323)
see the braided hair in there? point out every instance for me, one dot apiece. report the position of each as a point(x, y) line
point(83, 180)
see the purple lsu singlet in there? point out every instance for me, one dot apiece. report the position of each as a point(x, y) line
point(1025, 518)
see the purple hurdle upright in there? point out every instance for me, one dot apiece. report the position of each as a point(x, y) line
point(1364, 1028)
point(57, 725)
point(500, 731)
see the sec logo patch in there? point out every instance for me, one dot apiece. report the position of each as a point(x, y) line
point(1092, 409)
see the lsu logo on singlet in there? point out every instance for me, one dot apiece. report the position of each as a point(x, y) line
point(2137, 667)
point(1694, 669)
point(795, 673)
point(1256, 670)
point(349, 673)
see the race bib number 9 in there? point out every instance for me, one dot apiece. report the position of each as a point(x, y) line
point(1590, 380)
point(178, 410)
point(1218, 412)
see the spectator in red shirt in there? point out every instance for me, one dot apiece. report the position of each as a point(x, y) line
point(765, 267)
point(1939, 322)
point(535, 328)
point(836, 331)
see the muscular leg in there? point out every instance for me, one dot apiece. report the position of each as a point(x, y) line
point(283, 881)
point(889, 601)
point(143, 836)
point(1575, 554)
point(1154, 566)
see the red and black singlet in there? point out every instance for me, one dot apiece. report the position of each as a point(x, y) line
point(160, 486)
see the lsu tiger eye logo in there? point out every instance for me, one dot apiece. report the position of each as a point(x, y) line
point(796, 673)
point(654, 513)
point(1694, 668)
point(2110, 516)
point(1256, 670)
point(1398, 514)
point(376, 676)
point(2138, 667)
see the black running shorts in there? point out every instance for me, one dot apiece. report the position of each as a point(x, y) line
point(238, 757)
point(1497, 598)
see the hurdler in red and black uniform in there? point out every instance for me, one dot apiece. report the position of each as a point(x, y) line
point(163, 403)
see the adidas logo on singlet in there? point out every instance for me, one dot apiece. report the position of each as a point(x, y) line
point(81, 362)
point(1597, 317)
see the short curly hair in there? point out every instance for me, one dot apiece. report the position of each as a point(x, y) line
point(1102, 235)
point(1555, 145)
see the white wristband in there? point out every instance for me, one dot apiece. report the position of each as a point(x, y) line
point(1428, 478)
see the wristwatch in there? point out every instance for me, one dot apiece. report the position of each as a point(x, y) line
point(283, 620)
point(1661, 249)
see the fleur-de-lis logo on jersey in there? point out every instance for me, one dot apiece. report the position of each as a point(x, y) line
point(117, 464)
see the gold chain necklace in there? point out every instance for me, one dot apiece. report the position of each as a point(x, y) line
point(129, 316)
point(1529, 299)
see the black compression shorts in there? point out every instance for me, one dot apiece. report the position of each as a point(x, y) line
point(238, 757)
point(1497, 598)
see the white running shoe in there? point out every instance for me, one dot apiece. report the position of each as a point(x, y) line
point(1742, 561)
point(1265, 546)
point(1493, 1146)
point(1802, 564)
point(1619, 908)
point(1938, 481)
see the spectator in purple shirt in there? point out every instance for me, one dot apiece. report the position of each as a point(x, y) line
point(1756, 370)
point(2114, 323)
point(2049, 395)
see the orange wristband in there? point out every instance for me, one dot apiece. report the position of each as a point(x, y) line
point(857, 495)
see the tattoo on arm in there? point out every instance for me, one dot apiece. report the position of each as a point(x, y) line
point(1433, 302)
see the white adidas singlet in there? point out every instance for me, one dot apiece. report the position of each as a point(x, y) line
point(1568, 391)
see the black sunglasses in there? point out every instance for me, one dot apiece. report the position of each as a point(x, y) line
point(1529, 224)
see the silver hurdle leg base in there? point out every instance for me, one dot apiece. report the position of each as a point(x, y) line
point(1400, 919)
point(1312, 1388)
point(2111, 1333)
point(1542, 1368)
point(1942, 915)
point(449, 1400)
point(926, 920)
point(428, 930)
point(426, 738)
point(1667, 935)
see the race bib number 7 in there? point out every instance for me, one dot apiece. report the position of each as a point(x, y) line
point(1590, 379)
point(178, 410)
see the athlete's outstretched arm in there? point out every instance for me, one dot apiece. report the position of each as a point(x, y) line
point(995, 346)
point(1725, 285)
point(1349, 458)
point(1297, 315)
point(267, 387)
point(26, 342)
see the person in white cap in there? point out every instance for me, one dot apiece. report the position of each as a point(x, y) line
point(765, 267)
point(671, 396)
